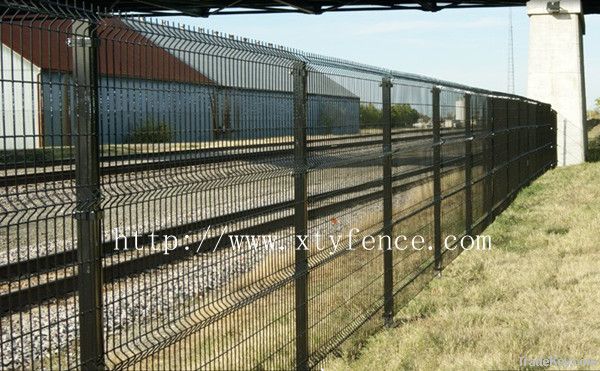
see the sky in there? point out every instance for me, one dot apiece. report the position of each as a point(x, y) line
point(468, 46)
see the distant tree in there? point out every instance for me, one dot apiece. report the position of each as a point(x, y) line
point(403, 115)
point(151, 132)
point(370, 116)
point(595, 113)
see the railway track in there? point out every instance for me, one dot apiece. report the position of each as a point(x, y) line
point(125, 266)
point(64, 169)
point(54, 275)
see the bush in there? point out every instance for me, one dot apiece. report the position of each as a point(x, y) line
point(332, 117)
point(403, 115)
point(593, 154)
point(369, 115)
point(595, 113)
point(151, 132)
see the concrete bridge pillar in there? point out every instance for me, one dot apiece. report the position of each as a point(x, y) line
point(556, 73)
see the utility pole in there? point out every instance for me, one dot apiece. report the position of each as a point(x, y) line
point(511, 58)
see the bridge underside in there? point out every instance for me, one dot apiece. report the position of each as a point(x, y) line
point(205, 8)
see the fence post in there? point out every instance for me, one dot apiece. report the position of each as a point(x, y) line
point(388, 265)
point(489, 176)
point(468, 167)
point(536, 153)
point(300, 214)
point(554, 135)
point(526, 154)
point(509, 160)
point(518, 151)
point(437, 181)
point(88, 211)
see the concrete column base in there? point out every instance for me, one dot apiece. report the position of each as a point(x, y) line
point(556, 73)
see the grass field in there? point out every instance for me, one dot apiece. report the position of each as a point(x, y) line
point(535, 294)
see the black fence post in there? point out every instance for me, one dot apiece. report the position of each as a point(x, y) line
point(300, 214)
point(554, 154)
point(388, 265)
point(526, 151)
point(489, 176)
point(536, 153)
point(84, 44)
point(437, 181)
point(508, 164)
point(517, 154)
point(468, 167)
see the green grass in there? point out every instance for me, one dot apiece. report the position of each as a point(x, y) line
point(536, 293)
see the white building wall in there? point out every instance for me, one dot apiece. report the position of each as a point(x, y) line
point(19, 109)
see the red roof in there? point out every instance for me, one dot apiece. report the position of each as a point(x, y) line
point(123, 51)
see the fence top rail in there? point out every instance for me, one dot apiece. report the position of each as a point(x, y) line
point(190, 39)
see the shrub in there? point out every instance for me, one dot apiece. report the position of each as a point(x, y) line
point(369, 115)
point(332, 117)
point(403, 115)
point(151, 132)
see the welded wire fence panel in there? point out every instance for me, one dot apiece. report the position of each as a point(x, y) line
point(211, 139)
point(513, 145)
point(349, 168)
point(412, 165)
point(156, 177)
point(453, 172)
point(38, 262)
point(479, 132)
point(500, 145)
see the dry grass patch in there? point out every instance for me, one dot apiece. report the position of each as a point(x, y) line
point(536, 293)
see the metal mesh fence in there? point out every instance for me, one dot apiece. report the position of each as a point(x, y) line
point(156, 179)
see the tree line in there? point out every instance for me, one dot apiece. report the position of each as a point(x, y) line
point(403, 115)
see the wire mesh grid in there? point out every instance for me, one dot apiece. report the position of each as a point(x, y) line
point(156, 178)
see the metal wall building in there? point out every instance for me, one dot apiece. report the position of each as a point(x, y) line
point(158, 80)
